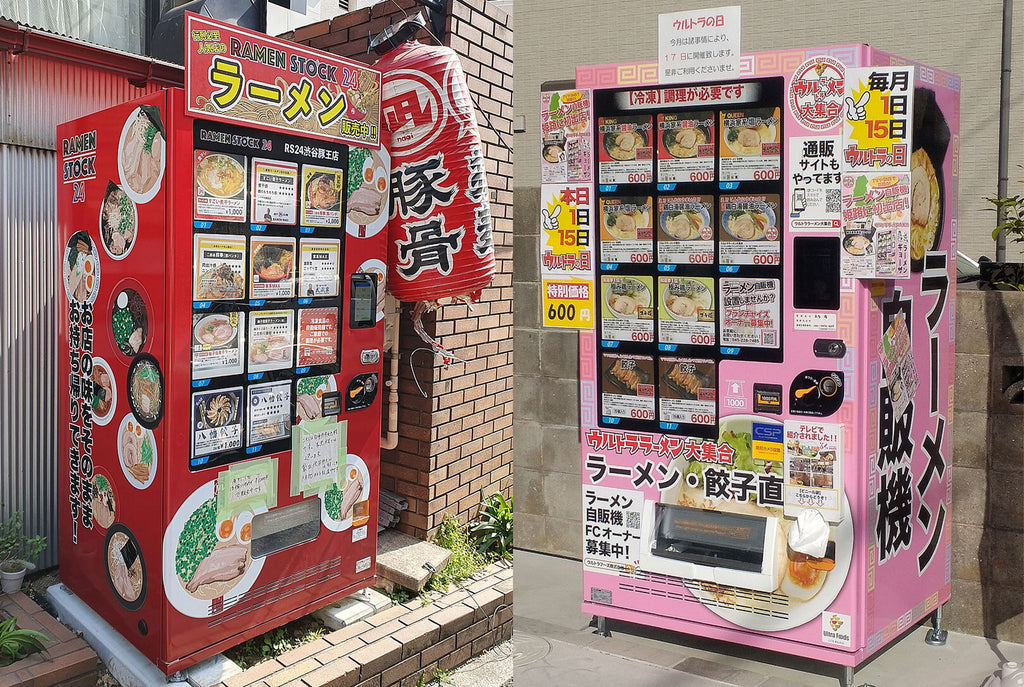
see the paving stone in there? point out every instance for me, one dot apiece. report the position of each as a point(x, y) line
point(417, 637)
point(404, 560)
point(374, 658)
point(253, 675)
point(400, 670)
point(385, 630)
point(453, 619)
point(292, 672)
point(305, 651)
point(343, 672)
point(341, 650)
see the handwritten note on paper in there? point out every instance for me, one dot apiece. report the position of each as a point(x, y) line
point(318, 454)
point(247, 486)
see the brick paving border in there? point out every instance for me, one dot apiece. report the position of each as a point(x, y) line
point(400, 645)
point(67, 662)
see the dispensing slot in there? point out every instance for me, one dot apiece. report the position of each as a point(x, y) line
point(710, 538)
point(282, 528)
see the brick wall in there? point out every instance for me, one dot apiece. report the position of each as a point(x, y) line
point(455, 440)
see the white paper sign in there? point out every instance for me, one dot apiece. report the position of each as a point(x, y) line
point(701, 45)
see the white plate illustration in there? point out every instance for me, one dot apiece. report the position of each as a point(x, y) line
point(102, 419)
point(182, 600)
point(132, 442)
point(352, 462)
point(146, 194)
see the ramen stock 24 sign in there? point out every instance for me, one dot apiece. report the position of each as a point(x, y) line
point(239, 75)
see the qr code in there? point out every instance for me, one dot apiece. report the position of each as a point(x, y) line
point(632, 519)
point(768, 338)
point(833, 200)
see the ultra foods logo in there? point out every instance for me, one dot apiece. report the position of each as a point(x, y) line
point(835, 622)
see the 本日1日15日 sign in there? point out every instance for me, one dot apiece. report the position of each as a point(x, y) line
point(699, 45)
point(240, 75)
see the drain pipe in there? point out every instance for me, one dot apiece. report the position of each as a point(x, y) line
point(389, 441)
point(1004, 122)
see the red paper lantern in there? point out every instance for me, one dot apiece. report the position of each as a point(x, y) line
point(439, 235)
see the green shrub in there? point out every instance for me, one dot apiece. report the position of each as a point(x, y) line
point(464, 561)
point(493, 532)
point(16, 644)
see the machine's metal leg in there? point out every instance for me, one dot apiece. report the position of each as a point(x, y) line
point(847, 679)
point(936, 636)
point(602, 626)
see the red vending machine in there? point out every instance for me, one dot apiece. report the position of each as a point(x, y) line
point(223, 265)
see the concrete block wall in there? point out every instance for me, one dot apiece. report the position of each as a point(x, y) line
point(988, 466)
point(455, 422)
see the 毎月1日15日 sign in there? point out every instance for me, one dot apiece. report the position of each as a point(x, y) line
point(243, 76)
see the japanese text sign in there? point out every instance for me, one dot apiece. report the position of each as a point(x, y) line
point(879, 115)
point(701, 45)
point(240, 75)
point(567, 259)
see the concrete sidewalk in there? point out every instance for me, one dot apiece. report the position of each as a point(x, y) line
point(555, 645)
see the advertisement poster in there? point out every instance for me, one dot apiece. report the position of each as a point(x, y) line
point(275, 186)
point(626, 155)
point(686, 39)
point(218, 268)
point(686, 311)
point(566, 137)
point(318, 267)
point(879, 118)
point(248, 77)
point(814, 469)
point(686, 147)
point(686, 234)
point(627, 234)
point(750, 146)
point(567, 255)
point(216, 421)
point(627, 387)
point(220, 184)
point(272, 269)
point(750, 312)
point(318, 337)
point(687, 389)
point(749, 230)
point(271, 338)
point(627, 308)
point(876, 226)
point(218, 342)
point(270, 411)
point(321, 196)
point(901, 375)
point(814, 185)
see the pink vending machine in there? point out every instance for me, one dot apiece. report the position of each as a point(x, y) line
point(767, 393)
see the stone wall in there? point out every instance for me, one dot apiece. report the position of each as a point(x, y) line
point(988, 466)
point(455, 438)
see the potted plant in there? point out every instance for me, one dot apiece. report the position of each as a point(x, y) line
point(1006, 275)
point(18, 553)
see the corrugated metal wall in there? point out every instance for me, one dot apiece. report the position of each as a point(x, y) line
point(28, 255)
point(36, 93)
